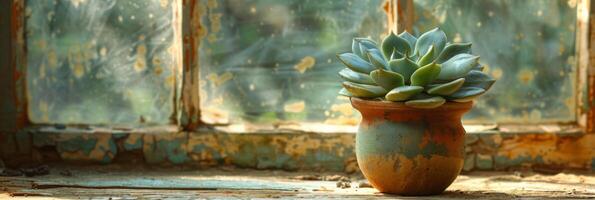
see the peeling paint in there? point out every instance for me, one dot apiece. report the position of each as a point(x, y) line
point(574, 152)
point(305, 151)
point(83, 147)
point(133, 142)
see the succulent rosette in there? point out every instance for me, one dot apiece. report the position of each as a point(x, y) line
point(422, 72)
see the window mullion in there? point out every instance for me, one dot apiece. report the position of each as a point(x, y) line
point(192, 30)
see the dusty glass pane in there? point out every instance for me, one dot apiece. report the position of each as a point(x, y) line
point(266, 61)
point(100, 61)
point(269, 61)
point(528, 45)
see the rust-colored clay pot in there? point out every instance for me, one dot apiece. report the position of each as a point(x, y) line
point(409, 151)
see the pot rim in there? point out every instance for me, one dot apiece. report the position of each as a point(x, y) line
point(448, 106)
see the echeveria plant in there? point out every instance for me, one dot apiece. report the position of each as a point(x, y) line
point(423, 72)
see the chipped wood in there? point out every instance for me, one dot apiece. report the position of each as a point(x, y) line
point(193, 32)
point(544, 146)
point(17, 58)
point(400, 15)
point(177, 20)
point(586, 72)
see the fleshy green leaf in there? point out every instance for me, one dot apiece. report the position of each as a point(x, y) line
point(466, 94)
point(355, 48)
point(344, 92)
point(446, 88)
point(403, 93)
point(425, 75)
point(387, 79)
point(478, 67)
point(458, 66)
point(377, 59)
point(355, 63)
point(393, 43)
point(366, 44)
point(356, 77)
point(427, 58)
point(362, 90)
point(411, 40)
point(428, 103)
point(434, 37)
point(452, 50)
point(478, 79)
point(403, 66)
point(396, 55)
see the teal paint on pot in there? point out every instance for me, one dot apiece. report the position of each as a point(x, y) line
point(410, 151)
point(388, 138)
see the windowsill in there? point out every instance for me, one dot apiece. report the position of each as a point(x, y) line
point(138, 181)
point(487, 147)
point(298, 128)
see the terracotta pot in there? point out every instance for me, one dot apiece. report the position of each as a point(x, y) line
point(409, 151)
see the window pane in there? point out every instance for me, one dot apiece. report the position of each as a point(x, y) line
point(101, 62)
point(528, 45)
point(267, 60)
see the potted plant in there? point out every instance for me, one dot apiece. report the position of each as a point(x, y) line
point(412, 93)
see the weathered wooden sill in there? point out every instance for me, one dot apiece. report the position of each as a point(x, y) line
point(488, 147)
point(140, 182)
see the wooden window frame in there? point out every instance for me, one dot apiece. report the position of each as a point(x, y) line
point(187, 113)
point(565, 144)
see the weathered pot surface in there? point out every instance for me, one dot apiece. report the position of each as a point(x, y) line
point(409, 151)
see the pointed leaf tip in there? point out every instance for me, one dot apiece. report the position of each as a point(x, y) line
point(434, 37)
point(356, 77)
point(405, 67)
point(365, 91)
point(452, 50)
point(425, 75)
point(428, 103)
point(428, 57)
point(377, 59)
point(387, 79)
point(466, 94)
point(403, 93)
point(458, 66)
point(446, 88)
point(392, 43)
point(355, 63)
